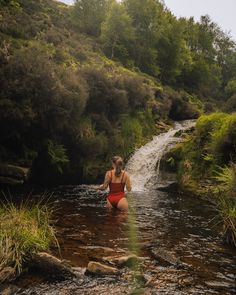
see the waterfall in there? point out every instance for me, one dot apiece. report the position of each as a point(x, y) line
point(144, 165)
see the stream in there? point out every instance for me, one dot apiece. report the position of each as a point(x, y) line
point(177, 236)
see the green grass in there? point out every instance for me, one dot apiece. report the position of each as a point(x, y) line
point(207, 165)
point(226, 178)
point(227, 212)
point(24, 231)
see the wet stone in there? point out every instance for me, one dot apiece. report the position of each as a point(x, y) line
point(98, 268)
point(121, 261)
point(166, 258)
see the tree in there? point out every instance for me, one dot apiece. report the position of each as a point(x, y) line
point(147, 16)
point(174, 56)
point(89, 14)
point(117, 32)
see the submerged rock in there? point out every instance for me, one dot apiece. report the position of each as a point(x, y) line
point(166, 257)
point(128, 260)
point(98, 268)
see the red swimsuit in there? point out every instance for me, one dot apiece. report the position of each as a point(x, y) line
point(117, 191)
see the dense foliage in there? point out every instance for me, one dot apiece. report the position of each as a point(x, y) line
point(66, 108)
point(144, 34)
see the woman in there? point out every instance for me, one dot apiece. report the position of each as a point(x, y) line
point(117, 179)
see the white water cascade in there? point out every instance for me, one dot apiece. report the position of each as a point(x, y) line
point(144, 165)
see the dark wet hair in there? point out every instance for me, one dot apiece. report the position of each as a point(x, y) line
point(118, 162)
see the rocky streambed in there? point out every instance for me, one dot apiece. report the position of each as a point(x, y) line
point(175, 237)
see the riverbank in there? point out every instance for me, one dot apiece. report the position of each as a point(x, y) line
point(206, 165)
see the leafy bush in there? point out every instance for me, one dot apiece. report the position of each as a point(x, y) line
point(50, 164)
point(224, 139)
point(230, 89)
point(131, 130)
point(118, 103)
point(138, 92)
point(99, 90)
point(230, 105)
point(182, 105)
point(94, 146)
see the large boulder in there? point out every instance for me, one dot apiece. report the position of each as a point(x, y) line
point(52, 266)
point(10, 174)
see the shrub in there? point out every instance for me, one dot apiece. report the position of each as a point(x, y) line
point(102, 124)
point(118, 103)
point(131, 130)
point(183, 106)
point(224, 140)
point(138, 92)
point(182, 110)
point(230, 105)
point(50, 164)
point(231, 87)
point(99, 90)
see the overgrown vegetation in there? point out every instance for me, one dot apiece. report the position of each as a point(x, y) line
point(81, 82)
point(24, 231)
point(206, 164)
point(65, 108)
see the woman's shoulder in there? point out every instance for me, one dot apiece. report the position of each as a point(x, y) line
point(125, 173)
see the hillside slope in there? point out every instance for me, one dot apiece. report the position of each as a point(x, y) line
point(65, 108)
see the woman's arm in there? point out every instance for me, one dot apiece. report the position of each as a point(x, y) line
point(128, 183)
point(106, 182)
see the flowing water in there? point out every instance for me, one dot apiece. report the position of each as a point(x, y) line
point(144, 165)
point(176, 235)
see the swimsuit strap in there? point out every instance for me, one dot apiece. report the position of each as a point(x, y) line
point(111, 176)
point(122, 176)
